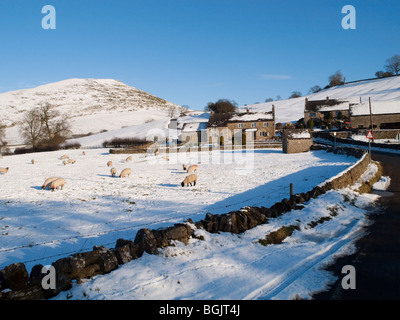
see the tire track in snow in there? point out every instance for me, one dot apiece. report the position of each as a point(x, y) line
point(281, 282)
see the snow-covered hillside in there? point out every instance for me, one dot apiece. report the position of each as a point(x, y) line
point(379, 90)
point(94, 105)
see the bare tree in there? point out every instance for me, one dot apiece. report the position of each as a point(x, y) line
point(31, 128)
point(336, 79)
point(2, 135)
point(315, 89)
point(295, 94)
point(56, 126)
point(2, 132)
point(44, 125)
point(393, 64)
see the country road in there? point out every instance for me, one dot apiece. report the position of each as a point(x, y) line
point(377, 260)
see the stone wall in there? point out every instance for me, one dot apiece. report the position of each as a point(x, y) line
point(17, 284)
point(377, 120)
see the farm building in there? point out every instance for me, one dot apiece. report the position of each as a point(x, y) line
point(384, 114)
point(188, 127)
point(296, 140)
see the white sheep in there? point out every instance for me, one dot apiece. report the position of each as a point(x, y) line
point(125, 172)
point(4, 170)
point(58, 183)
point(128, 159)
point(65, 162)
point(109, 163)
point(47, 183)
point(191, 178)
point(33, 161)
point(192, 168)
point(113, 172)
point(64, 157)
point(71, 161)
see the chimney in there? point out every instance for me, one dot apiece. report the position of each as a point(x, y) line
point(327, 98)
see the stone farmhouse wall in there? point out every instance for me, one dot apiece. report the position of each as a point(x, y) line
point(377, 120)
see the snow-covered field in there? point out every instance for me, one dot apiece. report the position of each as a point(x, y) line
point(40, 226)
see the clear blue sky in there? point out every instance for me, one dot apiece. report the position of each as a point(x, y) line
point(192, 52)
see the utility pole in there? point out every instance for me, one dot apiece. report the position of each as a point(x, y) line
point(370, 118)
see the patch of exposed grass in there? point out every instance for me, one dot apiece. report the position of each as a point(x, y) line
point(276, 237)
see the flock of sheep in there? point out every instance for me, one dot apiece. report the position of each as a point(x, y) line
point(55, 183)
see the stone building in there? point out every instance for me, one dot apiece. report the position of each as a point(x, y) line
point(260, 125)
point(329, 108)
point(296, 140)
point(384, 114)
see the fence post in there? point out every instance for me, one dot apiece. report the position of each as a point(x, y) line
point(291, 190)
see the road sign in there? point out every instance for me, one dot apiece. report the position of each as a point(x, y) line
point(369, 135)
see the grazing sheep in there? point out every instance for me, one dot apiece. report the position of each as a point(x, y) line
point(58, 183)
point(4, 170)
point(128, 159)
point(47, 183)
point(125, 172)
point(192, 168)
point(33, 161)
point(113, 172)
point(65, 162)
point(71, 161)
point(109, 163)
point(191, 178)
point(64, 157)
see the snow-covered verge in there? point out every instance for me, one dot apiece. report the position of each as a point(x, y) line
point(236, 267)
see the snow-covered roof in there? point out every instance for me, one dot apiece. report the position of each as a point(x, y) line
point(252, 116)
point(192, 119)
point(196, 126)
point(377, 107)
point(298, 134)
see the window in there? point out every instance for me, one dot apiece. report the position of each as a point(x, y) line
point(240, 125)
point(266, 124)
point(264, 134)
point(254, 125)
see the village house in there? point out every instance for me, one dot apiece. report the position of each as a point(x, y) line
point(260, 125)
point(321, 110)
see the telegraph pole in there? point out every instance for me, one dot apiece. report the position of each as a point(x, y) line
point(370, 118)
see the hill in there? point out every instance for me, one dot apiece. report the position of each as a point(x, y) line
point(94, 105)
point(380, 90)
